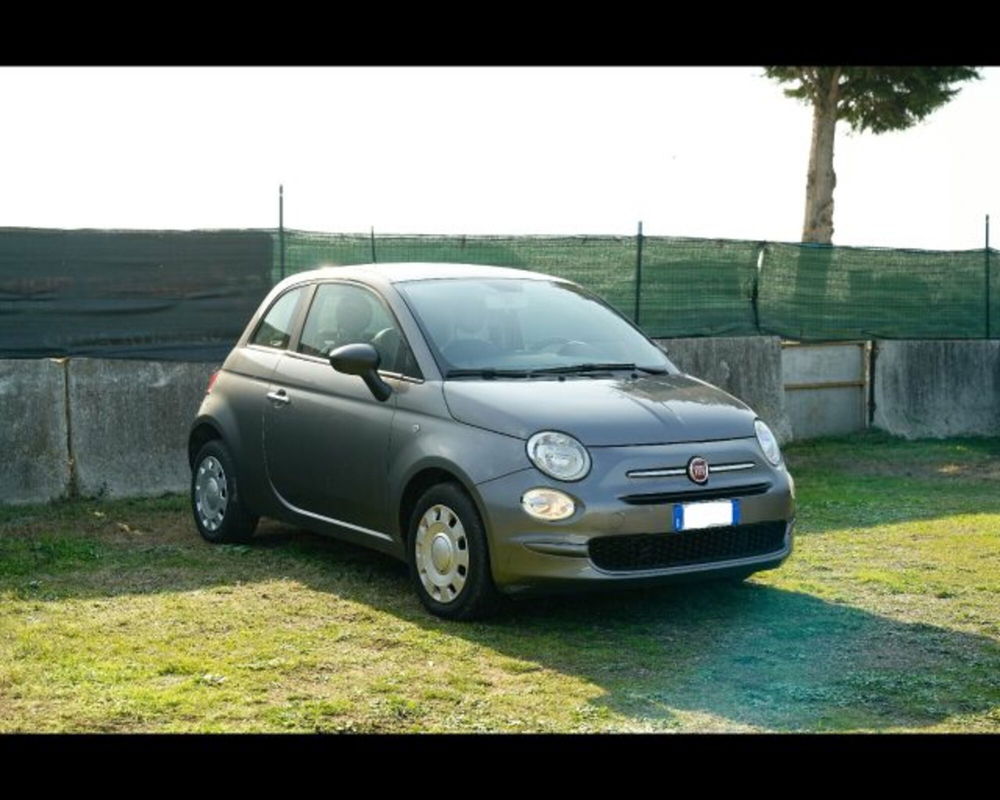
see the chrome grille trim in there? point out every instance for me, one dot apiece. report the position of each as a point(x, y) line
point(732, 467)
point(656, 473)
point(670, 472)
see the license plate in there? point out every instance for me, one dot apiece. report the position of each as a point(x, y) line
point(712, 514)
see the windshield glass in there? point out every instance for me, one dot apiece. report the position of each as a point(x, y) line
point(520, 326)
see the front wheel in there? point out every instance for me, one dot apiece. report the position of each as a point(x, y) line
point(449, 555)
point(219, 512)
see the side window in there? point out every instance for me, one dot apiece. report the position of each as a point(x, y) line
point(345, 314)
point(276, 328)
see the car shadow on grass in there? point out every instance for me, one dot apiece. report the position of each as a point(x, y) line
point(745, 653)
point(758, 656)
point(692, 656)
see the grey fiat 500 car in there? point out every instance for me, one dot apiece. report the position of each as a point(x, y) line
point(499, 430)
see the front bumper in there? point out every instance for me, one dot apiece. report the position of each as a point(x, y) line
point(528, 554)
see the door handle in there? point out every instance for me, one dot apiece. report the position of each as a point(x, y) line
point(279, 396)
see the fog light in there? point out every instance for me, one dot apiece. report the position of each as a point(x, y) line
point(548, 504)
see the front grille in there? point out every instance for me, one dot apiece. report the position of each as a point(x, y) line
point(690, 495)
point(659, 550)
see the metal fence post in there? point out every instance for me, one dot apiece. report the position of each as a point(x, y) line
point(988, 276)
point(638, 272)
point(374, 260)
point(281, 228)
point(755, 290)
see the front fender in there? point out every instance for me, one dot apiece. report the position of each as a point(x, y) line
point(471, 455)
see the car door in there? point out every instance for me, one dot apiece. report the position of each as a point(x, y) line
point(245, 383)
point(326, 438)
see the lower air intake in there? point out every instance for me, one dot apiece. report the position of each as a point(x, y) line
point(658, 550)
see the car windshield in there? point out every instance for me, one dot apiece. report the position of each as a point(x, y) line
point(523, 327)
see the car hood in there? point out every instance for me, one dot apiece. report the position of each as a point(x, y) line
point(654, 409)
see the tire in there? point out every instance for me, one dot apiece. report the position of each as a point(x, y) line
point(219, 512)
point(449, 555)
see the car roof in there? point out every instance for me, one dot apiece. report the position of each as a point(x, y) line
point(418, 270)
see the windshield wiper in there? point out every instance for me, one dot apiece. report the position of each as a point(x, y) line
point(492, 372)
point(574, 368)
point(487, 372)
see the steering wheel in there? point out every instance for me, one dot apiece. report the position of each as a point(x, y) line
point(567, 347)
point(540, 345)
point(386, 342)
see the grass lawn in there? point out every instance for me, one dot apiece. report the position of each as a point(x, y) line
point(115, 616)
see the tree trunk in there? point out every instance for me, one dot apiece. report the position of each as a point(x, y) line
point(818, 224)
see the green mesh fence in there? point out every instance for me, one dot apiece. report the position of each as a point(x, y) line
point(305, 251)
point(604, 264)
point(719, 287)
point(186, 295)
point(698, 287)
point(993, 327)
point(827, 293)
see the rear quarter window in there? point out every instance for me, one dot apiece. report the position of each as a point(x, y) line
point(275, 330)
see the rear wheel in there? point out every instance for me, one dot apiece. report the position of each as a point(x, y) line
point(449, 555)
point(219, 512)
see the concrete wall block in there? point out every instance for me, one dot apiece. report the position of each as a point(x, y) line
point(825, 411)
point(937, 389)
point(748, 367)
point(130, 421)
point(33, 441)
point(812, 363)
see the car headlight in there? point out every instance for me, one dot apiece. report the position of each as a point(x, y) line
point(548, 504)
point(559, 455)
point(768, 444)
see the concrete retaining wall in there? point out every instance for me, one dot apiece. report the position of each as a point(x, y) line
point(130, 421)
point(124, 430)
point(33, 440)
point(937, 388)
point(748, 367)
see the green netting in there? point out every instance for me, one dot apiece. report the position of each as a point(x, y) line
point(698, 287)
point(715, 287)
point(816, 292)
point(187, 294)
point(305, 251)
point(169, 295)
point(604, 264)
point(994, 295)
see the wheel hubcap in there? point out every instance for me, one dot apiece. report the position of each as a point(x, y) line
point(211, 493)
point(442, 553)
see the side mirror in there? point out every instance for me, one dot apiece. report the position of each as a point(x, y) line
point(361, 360)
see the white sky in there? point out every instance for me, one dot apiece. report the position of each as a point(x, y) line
point(712, 152)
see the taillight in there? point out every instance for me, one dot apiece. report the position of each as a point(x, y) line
point(211, 382)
